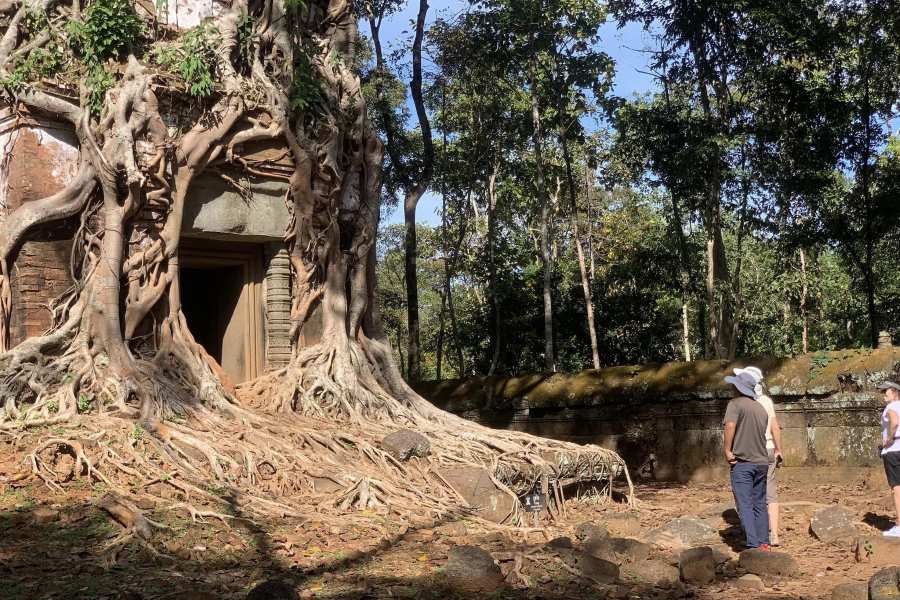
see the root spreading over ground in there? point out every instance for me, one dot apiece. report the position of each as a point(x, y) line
point(118, 386)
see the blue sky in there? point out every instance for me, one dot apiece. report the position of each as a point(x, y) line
point(623, 45)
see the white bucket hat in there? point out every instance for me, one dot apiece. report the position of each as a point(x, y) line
point(745, 380)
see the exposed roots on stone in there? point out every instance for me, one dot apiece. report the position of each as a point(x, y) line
point(119, 392)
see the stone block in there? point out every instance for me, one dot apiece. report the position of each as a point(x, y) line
point(832, 523)
point(617, 550)
point(650, 572)
point(475, 486)
point(472, 569)
point(405, 444)
point(885, 584)
point(877, 550)
point(850, 591)
point(683, 532)
point(591, 567)
point(697, 565)
point(587, 530)
point(767, 563)
point(749, 582)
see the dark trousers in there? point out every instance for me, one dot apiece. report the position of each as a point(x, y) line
point(748, 482)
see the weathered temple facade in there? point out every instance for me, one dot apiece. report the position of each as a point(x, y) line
point(234, 275)
point(666, 420)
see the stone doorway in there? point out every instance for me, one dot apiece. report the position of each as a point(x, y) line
point(221, 295)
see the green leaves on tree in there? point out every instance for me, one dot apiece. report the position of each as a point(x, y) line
point(192, 59)
point(109, 28)
point(304, 91)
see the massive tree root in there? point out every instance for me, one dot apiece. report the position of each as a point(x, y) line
point(120, 367)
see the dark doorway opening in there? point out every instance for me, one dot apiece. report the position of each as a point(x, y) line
point(209, 299)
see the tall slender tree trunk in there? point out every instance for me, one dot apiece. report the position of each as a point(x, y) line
point(684, 275)
point(410, 249)
point(460, 366)
point(543, 196)
point(579, 251)
point(736, 289)
point(804, 294)
point(720, 309)
point(869, 236)
point(588, 185)
point(439, 351)
point(492, 268)
point(684, 278)
point(412, 200)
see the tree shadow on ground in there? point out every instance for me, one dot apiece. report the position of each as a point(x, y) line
point(65, 553)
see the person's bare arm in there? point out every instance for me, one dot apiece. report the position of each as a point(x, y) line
point(776, 434)
point(894, 421)
point(730, 428)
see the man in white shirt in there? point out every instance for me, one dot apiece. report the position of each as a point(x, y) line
point(890, 446)
point(773, 448)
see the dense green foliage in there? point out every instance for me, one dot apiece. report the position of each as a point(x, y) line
point(769, 132)
point(81, 53)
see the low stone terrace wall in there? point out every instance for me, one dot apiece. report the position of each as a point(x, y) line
point(666, 419)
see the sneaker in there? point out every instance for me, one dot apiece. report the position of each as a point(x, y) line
point(893, 532)
point(765, 547)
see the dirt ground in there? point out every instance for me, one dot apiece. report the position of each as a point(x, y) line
point(59, 544)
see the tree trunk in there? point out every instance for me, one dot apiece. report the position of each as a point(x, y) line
point(439, 351)
point(410, 248)
point(544, 199)
point(804, 294)
point(492, 269)
point(719, 295)
point(684, 277)
point(576, 240)
point(157, 407)
point(412, 200)
point(588, 186)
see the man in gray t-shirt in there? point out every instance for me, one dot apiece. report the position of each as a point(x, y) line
point(745, 450)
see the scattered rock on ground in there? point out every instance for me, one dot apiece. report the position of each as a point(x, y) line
point(560, 542)
point(877, 550)
point(405, 444)
point(650, 572)
point(885, 584)
point(588, 530)
point(697, 565)
point(44, 514)
point(683, 531)
point(850, 591)
point(475, 485)
point(617, 550)
point(273, 589)
point(768, 563)
point(471, 569)
point(750, 581)
point(594, 568)
point(832, 523)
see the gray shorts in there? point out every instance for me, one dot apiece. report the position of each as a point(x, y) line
point(771, 485)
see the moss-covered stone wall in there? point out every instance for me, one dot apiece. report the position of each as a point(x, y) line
point(666, 419)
